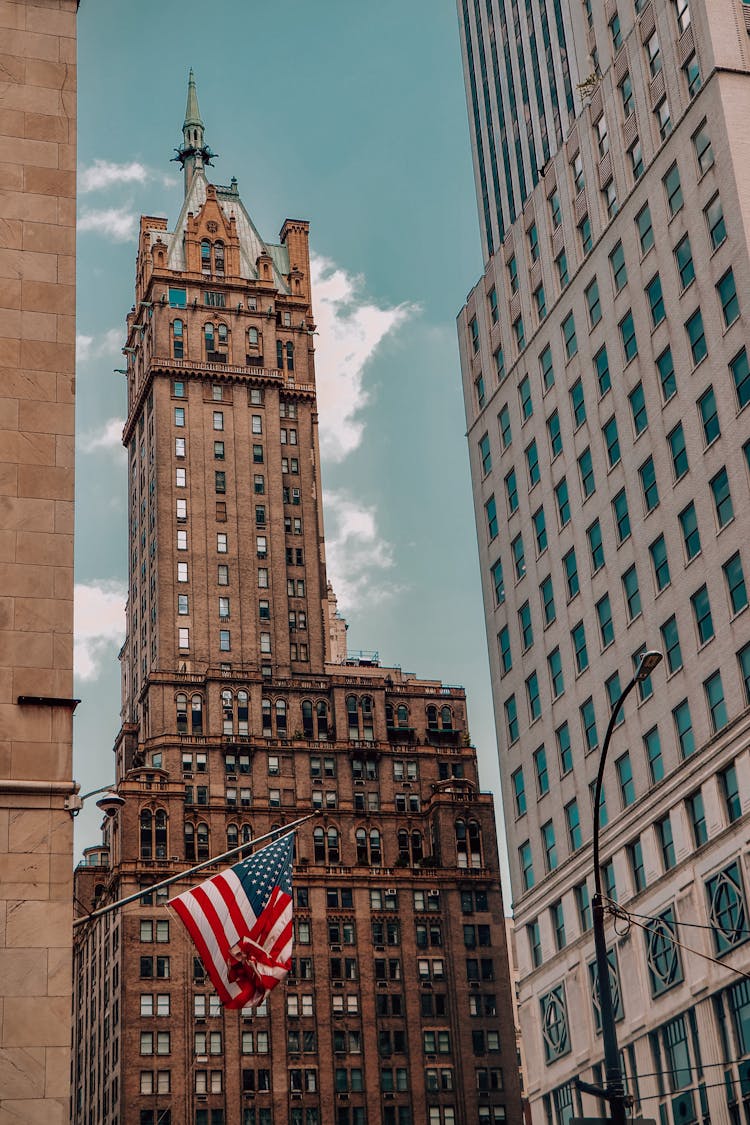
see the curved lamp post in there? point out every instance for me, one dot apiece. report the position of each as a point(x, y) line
point(614, 1091)
point(109, 803)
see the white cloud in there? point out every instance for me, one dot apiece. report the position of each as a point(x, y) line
point(117, 223)
point(356, 553)
point(351, 328)
point(99, 610)
point(93, 347)
point(108, 437)
point(105, 173)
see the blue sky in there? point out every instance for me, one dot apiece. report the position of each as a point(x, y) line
point(352, 116)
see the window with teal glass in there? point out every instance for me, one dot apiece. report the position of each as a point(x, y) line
point(697, 817)
point(715, 701)
point(561, 261)
point(519, 556)
point(524, 395)
point(563, 504)
point(604, 617)
point(637, 866)
point(564, 749)
point(665, 367)
point(526, 864)
point(498, 584)
point(540, 769)
point(586, 472)
point(533, 697)
point(684, 728)
point(647, 474)
point(619, 271)
point(660, 563)
point(511, 719)
point(727, 290)
point(628, 337)
point(622, 516)
point(624, 771)
point(555, 437)
point(731, 793)
point(666, 842)
point(520, 333)
point(491, 513)
point(503, 421)
point(717, 229)
point(702, 612)
point(513, 274)
point(673, 189)
point(578, 403)
point(499, 364)
point(519, 792)
point(503, 644)
point(492, 299)
point(601, 366)
point(652, 745)
point(722, 497)
point(546, 368)
point(684, 259)
point(740, 368)
point(696, 337)
point(573, 821)
point(548, 600)
point(596, 549)
point(656, 300)
point(690, 534)
point(580, 652)
point(557, 682)
point(632, 592)
point(588, 722)
point(584, 230)
point(485, 455)
point(570, 566)
point(678, 449)
point(583, 905)
point(540, 300)
point(593, 303)
point(558, 924)
point(735, 580)
point(511, 492)
point(540, 530)
point(704, 152)
point(637, 401)
point(645, 229)
point(709, 413)
point(532, 463)
point(569, 335)
point(611, 441)
point(549, 846)
point(525, 626)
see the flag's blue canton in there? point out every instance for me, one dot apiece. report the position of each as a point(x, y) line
point(270, 867)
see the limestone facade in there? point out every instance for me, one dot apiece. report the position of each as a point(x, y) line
point(37, 346)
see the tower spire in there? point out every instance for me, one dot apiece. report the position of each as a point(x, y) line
point(194, 154)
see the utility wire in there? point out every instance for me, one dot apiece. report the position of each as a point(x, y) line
point(618, 912)
point(693, 925)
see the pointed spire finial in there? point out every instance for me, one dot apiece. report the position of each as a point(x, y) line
point(194, 153)
point(192, 112)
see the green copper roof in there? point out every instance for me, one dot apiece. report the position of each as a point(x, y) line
point(192, 113)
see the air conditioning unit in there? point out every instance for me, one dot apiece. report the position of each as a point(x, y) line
point(387, 1097)
point(390, 890)
point(175, 859)
point(335, 949)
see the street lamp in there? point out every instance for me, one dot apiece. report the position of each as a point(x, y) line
point(110, 803)
point(614, 1090)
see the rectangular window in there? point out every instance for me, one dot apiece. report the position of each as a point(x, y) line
point(673, 189)
point(660, 563)
point(558, 924)
point(717, 708)
point(586, 472)
point(570, 566)
point(498, 584)
point(727, 290)
point(730, 791)
point(557, 683)
point(561, 261)
point(519, 557)
point(583, 905)
point(622, 516)
point(533, 697)
point(563, 503)
point(645, 229)
point(540, 531)
point(631, 592)
point(499, 364)
point(647, 474)
point(678, 450)
point(604, 617)
point(626, 94)
point(573, 821)
point(619, 271)
point(586, 235)
point(540, 769)
point(652, 746)
point(525, 626)
point(709, 415)
point(524, 395)
point(735, 580)
point(665, 367)
point(655, 300)
point(555, 437)
point(593, 303)
point(503, 643)
point(511, 719)
point(684, 728)
point(740, 368)
point(503, 422)
point(697, 817)
point(704, 153)
point(671, 642)
point(625, 779)
point(722, 498)
point(549, 846)
point(628, 337)
point(653, 51)
point(490, 509)
point(519, 791)
point(562, 735)
point(596, 550)
point(684, 259)
point(696, 337)
point(637, 867)
point(526, 864)
point(588, 722)
point(601, 367)
point(511, 493)
point(611, 441)
point(546, 369)
point(580, 652)
point(577, 403)
point(702, 613)
point(690, 534)
point(717, 230)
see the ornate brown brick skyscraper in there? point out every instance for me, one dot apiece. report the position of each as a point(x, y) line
point(240, 713)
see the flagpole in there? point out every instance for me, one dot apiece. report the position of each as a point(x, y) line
point(282, 829)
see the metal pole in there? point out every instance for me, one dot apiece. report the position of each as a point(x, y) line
point(615, 1086)
point(283, 828)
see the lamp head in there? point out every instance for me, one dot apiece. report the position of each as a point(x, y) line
point(649, 660)
point(110, 803)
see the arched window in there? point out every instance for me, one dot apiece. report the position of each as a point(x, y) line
point(417, 850)
point(189, 841)
point(243, 712)
point(208, 335)
point(279, 354)
point(376, 854)
point(403, 715)
point(321, 710)
point(446, 718)
point(218, 257)
point(389, 715)
point(160, 834)
point(308, 730)
point(403, 845)
point(462, 856)
point(202, 838)
point(178, 349)
point(367, 719)
point(246, 835)
point(361, 841)
point(352, 716)
point(333, 845)
point(319, 845)
point(181, 704)
point(227, 710)
point(223, 335)
point(475, 844)
point(290, 356)
point(205, 256)
point(432, 718)
point(281, 718)
point(232, 836)
point(196, 714)
point(252, 338)
point(265, 709)
point(147, 844)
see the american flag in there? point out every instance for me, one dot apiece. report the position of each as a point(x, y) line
point(241, 923)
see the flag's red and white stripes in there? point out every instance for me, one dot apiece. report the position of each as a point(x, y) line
point(218, 916)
